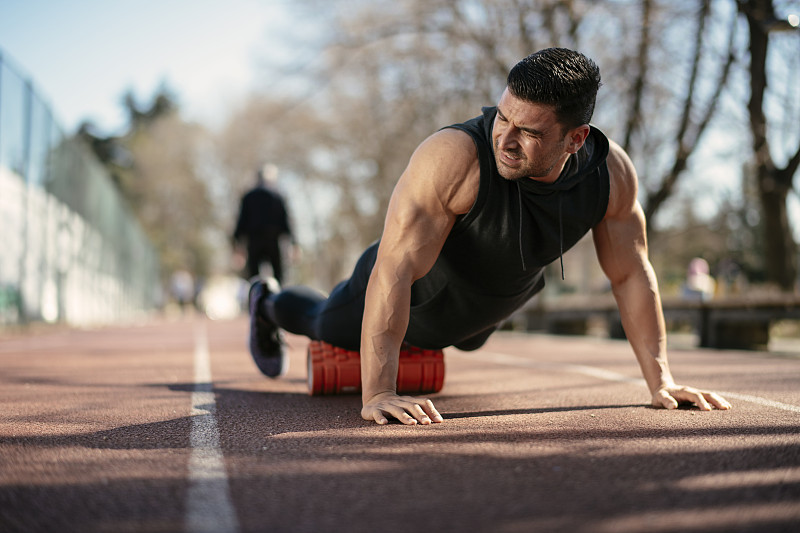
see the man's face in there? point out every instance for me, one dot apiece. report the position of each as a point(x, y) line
point(529, 142)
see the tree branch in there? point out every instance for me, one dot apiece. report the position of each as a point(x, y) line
point(687, 140)
point(634, 116)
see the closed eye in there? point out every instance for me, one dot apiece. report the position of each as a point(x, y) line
point(529, 132)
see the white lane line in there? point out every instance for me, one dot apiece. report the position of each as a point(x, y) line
point(608, 375)
point(208, 500)
point(761, 401)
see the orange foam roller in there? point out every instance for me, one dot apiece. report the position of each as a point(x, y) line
point(334, 370)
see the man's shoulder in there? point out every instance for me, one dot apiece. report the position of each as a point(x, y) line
point(448, 154)
point(447, 162)
point(455, 142)
point(262, 193)
point(623, 181)
point(620, 166)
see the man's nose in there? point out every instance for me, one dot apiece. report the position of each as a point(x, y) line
point(508, 139)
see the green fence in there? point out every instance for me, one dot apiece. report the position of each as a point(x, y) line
point(70, 250)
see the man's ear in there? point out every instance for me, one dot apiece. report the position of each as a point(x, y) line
point(576, 137)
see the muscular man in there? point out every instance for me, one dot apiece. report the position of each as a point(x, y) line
point(478, 213)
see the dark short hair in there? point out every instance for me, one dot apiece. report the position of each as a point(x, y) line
point(562, 78)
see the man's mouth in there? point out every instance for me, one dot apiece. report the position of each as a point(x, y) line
point(510, 157)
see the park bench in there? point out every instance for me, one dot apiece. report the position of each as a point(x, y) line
point(734, 322)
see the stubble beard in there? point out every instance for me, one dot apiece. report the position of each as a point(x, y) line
point(528, 169)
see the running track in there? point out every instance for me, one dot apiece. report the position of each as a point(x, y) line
point(168, 427)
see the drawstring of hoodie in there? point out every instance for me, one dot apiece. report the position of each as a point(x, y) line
point(561, 238)
point(521, 252)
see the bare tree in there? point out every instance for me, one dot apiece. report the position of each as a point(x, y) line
point(696, 113)
point(774, 182)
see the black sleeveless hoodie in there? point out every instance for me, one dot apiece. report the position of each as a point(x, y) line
point(493, 259)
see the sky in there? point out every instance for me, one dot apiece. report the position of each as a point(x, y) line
point(83, 55)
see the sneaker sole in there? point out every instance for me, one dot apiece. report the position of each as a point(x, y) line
point(273, 367)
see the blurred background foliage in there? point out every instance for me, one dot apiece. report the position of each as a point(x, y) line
point(696, 91)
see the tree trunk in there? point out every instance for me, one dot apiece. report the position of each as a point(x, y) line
point(773, 185)
point(780, 256)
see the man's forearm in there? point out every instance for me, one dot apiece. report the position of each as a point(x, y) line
point(643, 320)
point(384, 325)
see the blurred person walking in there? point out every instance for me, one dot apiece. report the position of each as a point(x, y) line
point(263, 221)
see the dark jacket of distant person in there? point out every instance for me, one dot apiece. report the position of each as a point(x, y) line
point(262, 221)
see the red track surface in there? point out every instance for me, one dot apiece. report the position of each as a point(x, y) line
point(116, 430)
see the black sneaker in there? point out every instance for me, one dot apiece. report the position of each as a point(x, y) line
point(266, 341)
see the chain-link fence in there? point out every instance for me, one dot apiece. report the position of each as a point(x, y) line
point(71, 251)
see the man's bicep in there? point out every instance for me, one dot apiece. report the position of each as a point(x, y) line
point(620, 238)
point(621, 245)
point(414, 233)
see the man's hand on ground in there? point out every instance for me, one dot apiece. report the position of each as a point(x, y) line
point(406, 409)
point(671, 397)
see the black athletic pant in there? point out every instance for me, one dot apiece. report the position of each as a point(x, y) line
point(264, 250)
point(337, 318)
